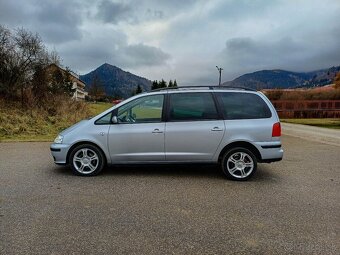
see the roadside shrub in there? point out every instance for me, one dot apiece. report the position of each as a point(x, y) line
point(59, 114)
point(311, 94)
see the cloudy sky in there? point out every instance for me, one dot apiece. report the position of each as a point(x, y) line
point(184, 39)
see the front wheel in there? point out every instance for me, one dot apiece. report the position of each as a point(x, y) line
point(239, 164)
point(86, 160)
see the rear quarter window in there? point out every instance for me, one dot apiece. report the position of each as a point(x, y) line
point(243, 106)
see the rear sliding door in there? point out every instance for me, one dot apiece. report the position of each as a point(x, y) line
point(193, 131)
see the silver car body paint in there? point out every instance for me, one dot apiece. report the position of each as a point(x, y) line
point(187, 141)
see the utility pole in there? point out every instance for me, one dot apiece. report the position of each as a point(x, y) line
point(220, 71)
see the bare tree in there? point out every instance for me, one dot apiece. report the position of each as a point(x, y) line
point(6, 55)
point(30, 53)
point(21, 53)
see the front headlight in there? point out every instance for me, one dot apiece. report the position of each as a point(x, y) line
point(58, 139)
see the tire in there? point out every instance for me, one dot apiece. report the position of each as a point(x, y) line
point(239, 164)
point(86, 160)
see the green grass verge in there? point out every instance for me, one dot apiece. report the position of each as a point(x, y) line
point(96, 108)
point(325, 123)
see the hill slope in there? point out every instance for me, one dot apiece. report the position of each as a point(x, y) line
point(267, 79)
point(116, 81)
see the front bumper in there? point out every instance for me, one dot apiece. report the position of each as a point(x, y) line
point(59, 152)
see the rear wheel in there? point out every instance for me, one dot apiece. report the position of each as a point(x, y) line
point(239, 164)
point(86, 160)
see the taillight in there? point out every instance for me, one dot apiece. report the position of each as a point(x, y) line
point(276, 129)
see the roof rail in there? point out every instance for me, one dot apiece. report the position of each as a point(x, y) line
point(208, 87)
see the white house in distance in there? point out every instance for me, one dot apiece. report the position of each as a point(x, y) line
point(77, 84)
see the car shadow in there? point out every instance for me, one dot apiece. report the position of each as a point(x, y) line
point(265, 174)
point(63, 170)
point(211, 171)
point(170, 170)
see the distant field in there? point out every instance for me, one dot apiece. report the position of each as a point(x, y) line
point(99, 107)
point(326, 123)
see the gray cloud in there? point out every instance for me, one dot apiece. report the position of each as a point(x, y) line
point(247, 51)
point(184, 39)
point(113, 12)
point(59, 21)
point(55, 21)
point(112, 47)
point(154, 14)
point(245, 54)
point(144, 55)
point(10, 14)
point(236, 10)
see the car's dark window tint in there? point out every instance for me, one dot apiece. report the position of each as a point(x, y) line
point(243, 106)
point(106, 119)
point(192, 106)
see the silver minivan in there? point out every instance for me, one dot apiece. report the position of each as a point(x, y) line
point(234, 127)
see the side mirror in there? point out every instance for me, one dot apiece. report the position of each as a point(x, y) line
point(114, 119)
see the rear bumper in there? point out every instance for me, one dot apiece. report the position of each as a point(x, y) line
point(270, 151)
point(59, 153)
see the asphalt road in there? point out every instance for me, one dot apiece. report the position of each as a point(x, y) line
point(289, 207)
point(316, 134)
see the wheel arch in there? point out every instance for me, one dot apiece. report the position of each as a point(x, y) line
point(242, 144)
point(85, 142)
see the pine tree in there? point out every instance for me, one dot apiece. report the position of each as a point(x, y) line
point(138, 90)
point(175, 84)
point(154, 85)
point(170, 84)
point(162, 84)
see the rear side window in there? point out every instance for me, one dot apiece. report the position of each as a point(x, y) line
point(192, 106)
point(243, 106)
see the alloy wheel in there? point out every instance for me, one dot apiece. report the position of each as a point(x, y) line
point(85, 161)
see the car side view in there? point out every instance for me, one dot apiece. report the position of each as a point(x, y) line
point(234, 127)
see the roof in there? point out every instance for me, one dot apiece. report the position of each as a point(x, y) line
point(203, 88)
point(73, 74)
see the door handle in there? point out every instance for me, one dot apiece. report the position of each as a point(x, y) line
point(157, 131)
point(217, 129)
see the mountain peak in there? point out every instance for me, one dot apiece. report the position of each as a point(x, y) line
point(116, 81)
point(278, 78)
point(107, 66)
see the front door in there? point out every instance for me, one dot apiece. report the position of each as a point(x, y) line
point(139, 134)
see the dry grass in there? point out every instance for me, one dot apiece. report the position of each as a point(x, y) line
point(35, 124)
point(307, 94)
point(326, 123)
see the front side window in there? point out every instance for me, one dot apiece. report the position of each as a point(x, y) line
point(192, 106)
point(105, 120)
point(142, 110)
point(243, 106)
